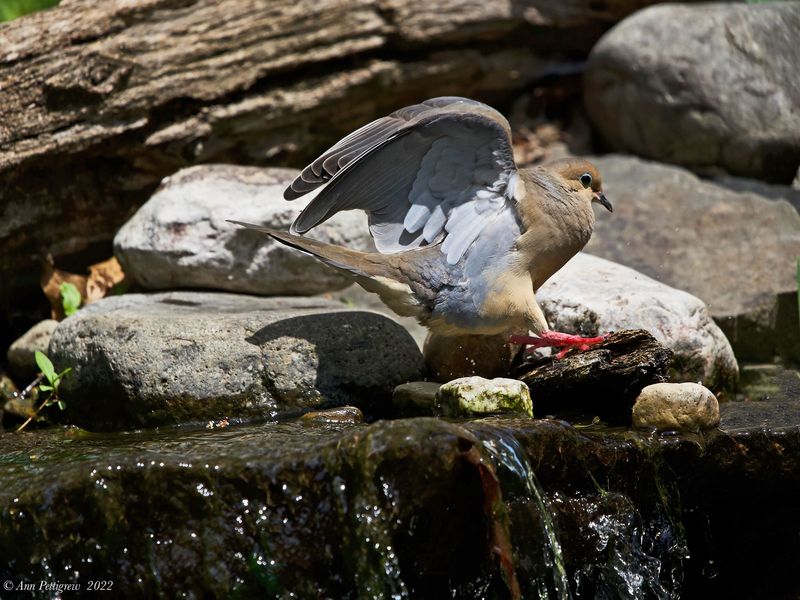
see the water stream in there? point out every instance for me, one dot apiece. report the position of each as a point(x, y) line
point(622, 528)
point(511, 462)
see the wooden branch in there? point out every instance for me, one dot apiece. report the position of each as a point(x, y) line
point(604, 380)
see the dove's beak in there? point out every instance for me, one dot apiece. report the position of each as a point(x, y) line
point(601, 198)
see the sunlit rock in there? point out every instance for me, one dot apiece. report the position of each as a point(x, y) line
point(181, 237)
point(154, 359)
point(676, 406)
point(470, 396)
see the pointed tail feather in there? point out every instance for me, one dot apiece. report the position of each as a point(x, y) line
point(377, 273)
point(352, 261)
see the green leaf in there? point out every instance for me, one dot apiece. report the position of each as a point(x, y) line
point(64, 372)
point(45, 366)
point(11, 9)
point(70, 298)
point(62, 405)
point(45, 388)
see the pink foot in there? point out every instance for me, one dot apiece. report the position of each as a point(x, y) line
point(556, 339)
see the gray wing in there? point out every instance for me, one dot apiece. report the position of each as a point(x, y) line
point(436, 171)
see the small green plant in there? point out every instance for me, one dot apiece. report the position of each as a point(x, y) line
point(70, 298)
point(11, 9)
point(49, 389)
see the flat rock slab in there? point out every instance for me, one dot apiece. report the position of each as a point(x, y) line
point(592, 296)
point(703, 86)
point(332, 510)
point(181, 237)
point(604, 380)
point(735, 250)
point(152, 359)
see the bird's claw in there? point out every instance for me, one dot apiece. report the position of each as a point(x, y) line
point(555, 339)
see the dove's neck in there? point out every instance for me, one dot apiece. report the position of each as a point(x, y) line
point(557, 225)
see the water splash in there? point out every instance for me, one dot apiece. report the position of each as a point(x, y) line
point(509, 456)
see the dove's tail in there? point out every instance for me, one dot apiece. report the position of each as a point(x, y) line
point(354, 262)
point(375, 272)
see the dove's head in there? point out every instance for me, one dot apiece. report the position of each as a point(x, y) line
point(582, 178)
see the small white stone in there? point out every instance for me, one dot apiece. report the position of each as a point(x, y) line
point(676, 406)
point(470, 396)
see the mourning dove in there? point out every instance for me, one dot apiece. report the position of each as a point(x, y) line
point(464, 237)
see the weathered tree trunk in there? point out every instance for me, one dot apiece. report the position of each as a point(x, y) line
point(100, 100)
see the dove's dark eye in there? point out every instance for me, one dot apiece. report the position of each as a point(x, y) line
point(586, 180)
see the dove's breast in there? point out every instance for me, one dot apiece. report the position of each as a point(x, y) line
point(489, 290)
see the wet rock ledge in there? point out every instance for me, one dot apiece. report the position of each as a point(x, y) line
point(411, 508)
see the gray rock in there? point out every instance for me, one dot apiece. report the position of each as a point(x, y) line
point(150, 359)
point(769, 191)
point(471, 396)
point(341, 415)
point(772, 382)
point(358, 298)
point(181, 237)
point(702, 86)
point(20, 354)
point(734, 250)
point(593, 296)
point(676, 407)
point(415, 398)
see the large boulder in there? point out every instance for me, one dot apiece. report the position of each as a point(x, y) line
point(152, 359)
point(181, 237)
point(593, 296)
point(736, 250)
point(702, 86)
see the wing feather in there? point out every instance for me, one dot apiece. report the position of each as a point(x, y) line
point(435, 171)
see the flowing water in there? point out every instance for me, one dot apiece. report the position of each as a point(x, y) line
point(511, 462)
point(493, 508)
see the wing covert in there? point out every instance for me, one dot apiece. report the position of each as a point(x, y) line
point(428, 173)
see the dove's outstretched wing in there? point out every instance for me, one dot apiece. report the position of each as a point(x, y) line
point(436, 171)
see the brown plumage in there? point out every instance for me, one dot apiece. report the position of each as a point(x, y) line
point(464, 237)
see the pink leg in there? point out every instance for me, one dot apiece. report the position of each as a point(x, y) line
point(556, 339)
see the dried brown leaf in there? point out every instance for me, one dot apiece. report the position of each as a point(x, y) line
point(103, 276)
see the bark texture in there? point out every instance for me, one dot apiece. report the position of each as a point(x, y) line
point(100, 100)
point(604, 380)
